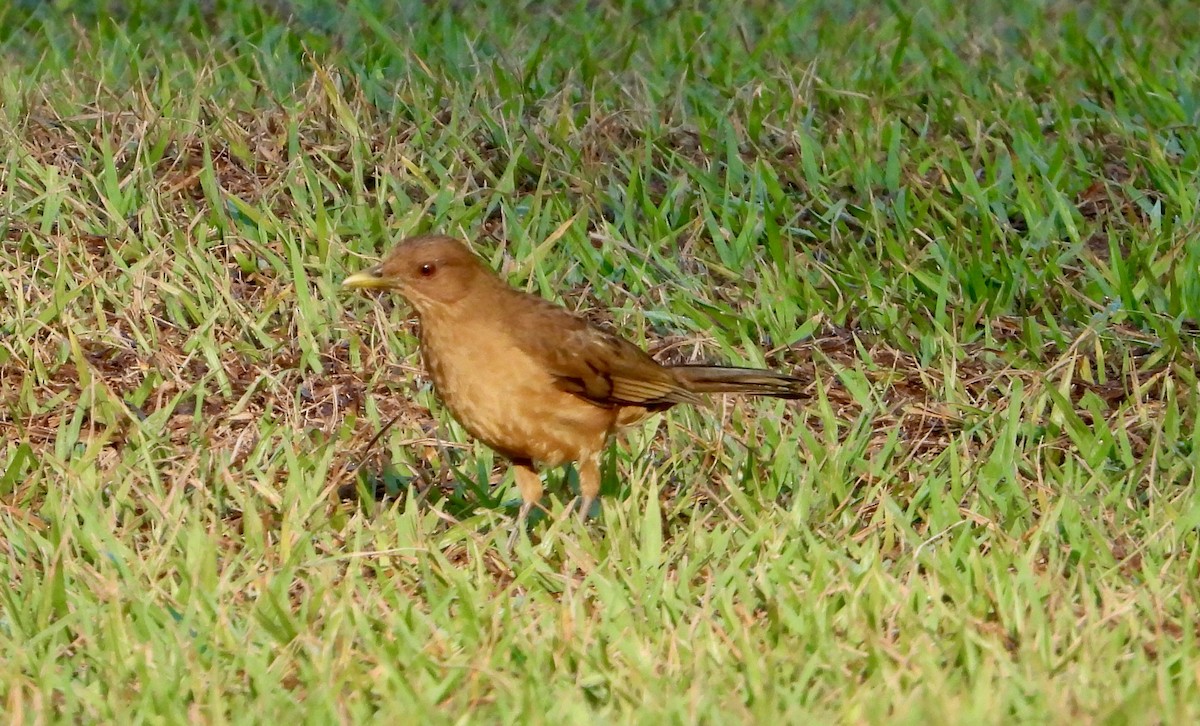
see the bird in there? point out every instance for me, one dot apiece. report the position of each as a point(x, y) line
point(535, 382)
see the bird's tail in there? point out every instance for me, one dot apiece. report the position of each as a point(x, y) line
point(751, 381)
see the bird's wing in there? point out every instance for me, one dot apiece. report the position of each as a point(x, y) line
point(608, 369)
point(601, 367)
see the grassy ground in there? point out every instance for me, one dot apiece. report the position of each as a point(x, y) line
point(975, 229)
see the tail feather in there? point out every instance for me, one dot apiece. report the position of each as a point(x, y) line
point(751, 381)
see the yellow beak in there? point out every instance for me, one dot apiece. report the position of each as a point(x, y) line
point(369, 279)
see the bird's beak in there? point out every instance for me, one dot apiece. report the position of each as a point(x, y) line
point(370, 279)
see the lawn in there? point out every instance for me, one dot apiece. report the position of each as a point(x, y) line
point(973, 228)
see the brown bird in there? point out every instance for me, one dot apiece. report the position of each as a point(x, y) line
point(535, 382)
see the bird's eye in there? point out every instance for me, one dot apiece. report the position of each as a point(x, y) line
point(428, 269)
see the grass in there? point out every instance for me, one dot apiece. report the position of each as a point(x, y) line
point(974, 228)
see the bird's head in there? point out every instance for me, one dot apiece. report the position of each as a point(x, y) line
point(428, 271)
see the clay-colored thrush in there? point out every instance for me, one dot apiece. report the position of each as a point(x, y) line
point(538, 384)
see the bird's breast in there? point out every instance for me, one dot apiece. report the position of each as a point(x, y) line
point(506, 399)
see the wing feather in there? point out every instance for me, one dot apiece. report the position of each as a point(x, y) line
point(598, 366)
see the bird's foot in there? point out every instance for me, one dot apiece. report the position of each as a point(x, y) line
point(519, 526)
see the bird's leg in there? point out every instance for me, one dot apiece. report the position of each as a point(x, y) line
point(530, 485)
point(589, 485)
